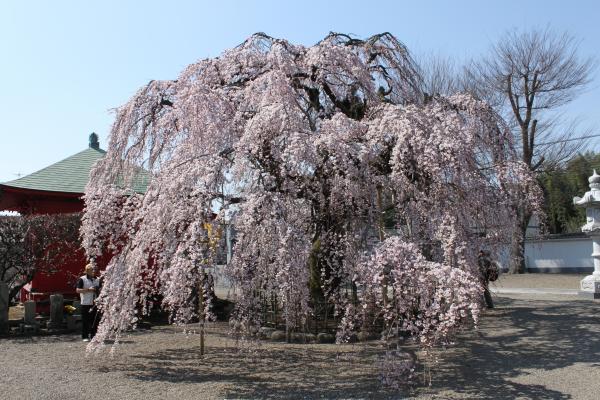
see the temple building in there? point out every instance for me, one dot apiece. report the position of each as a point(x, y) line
point(59, 189)
point(56, 189)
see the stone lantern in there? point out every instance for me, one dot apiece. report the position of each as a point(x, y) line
point(590, 285)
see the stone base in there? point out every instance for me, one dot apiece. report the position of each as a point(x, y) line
point(72, 322)
point(588, 295)
point(590, 287)
point(29, 328)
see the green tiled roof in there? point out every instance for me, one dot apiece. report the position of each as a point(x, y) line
point(70, 175)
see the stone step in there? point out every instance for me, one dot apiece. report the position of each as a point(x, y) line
point(27, 328)
point(15, 322)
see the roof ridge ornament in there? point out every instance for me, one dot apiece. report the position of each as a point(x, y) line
point(94, 144)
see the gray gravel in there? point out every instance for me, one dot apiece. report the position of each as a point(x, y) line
point(537, 281)
point(530, 347)
point(165, 363)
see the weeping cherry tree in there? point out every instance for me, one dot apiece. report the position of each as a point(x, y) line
point(312, 153)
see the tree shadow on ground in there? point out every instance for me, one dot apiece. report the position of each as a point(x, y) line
point(286, 372)
point(520, 335)
point(516, 336)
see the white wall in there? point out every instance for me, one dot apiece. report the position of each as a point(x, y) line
point(559, 255)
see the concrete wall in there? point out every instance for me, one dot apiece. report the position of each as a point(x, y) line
point(559, 255)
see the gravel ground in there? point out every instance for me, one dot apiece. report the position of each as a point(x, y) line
point(540, 347)
point(538, 281)
point(529, 347)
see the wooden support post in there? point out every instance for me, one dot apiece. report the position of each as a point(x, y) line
point(201, 315)
point(380, 229)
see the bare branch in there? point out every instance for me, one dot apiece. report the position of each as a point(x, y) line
point(535, 73)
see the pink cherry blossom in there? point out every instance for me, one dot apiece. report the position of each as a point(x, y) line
point(304, 150)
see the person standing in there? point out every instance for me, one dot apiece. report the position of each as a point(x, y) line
point(87, 287)
point(488, 272)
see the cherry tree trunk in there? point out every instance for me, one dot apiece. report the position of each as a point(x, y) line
point(517, 247)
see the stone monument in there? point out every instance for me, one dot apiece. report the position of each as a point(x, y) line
point(590, 285)
point(56, 311)
point(29, 313)
point(4, 308)
point(29, 325)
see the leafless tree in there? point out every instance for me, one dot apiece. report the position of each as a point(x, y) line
point(33, 244)
point(528, 77)
point(440, 74)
